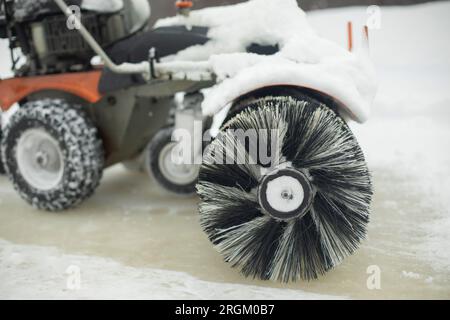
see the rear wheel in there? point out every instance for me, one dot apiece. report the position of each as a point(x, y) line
point(53, 155)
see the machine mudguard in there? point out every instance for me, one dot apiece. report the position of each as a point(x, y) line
point(80, 84)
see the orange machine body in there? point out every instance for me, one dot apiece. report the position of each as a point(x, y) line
point(81, 84)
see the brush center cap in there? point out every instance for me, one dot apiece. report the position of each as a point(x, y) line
point(285, 194)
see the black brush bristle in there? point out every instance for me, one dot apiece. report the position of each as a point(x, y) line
point(315, 140)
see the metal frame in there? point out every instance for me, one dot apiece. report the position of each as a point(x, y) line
point(127, 119)
point(180, 70)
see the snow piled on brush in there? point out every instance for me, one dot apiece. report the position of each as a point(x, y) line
point(35, 272)
point(304, 59)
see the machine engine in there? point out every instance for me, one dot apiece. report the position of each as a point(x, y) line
point(43, 41)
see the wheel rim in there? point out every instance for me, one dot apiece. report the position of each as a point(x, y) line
point(285, 194)
point(40, 159)
point(179, 174)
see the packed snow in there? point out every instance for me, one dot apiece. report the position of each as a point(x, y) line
point(106, 6)
point(132, 240)
point(54, 276)
point(304, 58)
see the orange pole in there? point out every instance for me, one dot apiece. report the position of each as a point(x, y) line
point(350, 35)
point(184, 4)
point(366, 33)
point(80, 84)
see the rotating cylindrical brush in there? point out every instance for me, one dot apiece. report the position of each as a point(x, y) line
point(302, 213)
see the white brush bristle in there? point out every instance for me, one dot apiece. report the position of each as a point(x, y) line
point(313, 138)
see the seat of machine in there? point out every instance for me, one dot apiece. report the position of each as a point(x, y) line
point(166, 40)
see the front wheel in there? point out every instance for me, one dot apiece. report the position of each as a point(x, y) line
point(53, 155)
point(160, 163)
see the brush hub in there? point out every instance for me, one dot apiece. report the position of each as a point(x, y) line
point(285, 194)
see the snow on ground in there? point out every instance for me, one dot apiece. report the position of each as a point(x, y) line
point(132, 240)
point(54, 276)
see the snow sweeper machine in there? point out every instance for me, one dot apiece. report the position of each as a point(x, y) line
point(95, 86)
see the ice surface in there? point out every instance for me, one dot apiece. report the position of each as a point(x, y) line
point(304, 59)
